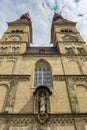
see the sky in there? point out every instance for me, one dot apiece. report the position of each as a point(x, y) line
point(41, 13)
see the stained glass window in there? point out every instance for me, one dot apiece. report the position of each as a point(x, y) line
point(42, 74)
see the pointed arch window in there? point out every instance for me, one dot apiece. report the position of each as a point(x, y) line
point(42, 74)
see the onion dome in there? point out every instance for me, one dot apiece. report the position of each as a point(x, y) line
point(56, 17)
point(26, 16)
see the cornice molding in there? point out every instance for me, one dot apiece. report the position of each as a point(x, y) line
point(17, 77)
point(71, 77)
point(10, 115)
point(12, 42)
point(64, 22)
point(19, 22)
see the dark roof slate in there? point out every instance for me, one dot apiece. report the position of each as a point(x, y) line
point(47, 50)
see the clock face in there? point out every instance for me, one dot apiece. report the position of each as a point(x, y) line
point(69, 38)
point(14, 38)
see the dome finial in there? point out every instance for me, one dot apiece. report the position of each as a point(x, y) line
point(26, 16)
point(57, 16)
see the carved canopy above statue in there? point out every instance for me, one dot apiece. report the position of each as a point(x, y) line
point(40, 88)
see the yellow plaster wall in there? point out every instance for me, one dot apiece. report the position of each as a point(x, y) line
point(27, 65)
point(71, 66)
point(59, 99)
point(4, 88)
point(84, 65)
point(25, 35)
point(24, 98)
point(81, 93)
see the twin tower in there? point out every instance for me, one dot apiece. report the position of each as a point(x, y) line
point(43, 88)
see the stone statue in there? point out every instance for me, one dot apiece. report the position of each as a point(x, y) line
point(42, 103)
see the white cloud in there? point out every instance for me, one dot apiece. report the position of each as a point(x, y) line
point(41, 12)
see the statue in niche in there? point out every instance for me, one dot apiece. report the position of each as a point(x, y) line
point(42, 103)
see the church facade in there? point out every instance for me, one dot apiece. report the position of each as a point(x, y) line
point(43, 88)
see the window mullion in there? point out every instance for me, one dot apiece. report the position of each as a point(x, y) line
point(42, 74)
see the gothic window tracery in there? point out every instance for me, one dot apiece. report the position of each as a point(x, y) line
point(42, 74)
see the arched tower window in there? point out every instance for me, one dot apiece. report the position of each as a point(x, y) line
point(69, 50)
point(81, 50)
point(42, 74)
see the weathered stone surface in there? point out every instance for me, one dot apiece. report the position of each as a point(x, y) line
point(65, 108)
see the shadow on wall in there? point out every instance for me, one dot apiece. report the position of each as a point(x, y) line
point(3, 96)
point(28, 107)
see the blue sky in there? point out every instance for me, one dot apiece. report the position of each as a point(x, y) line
point(41, 12)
